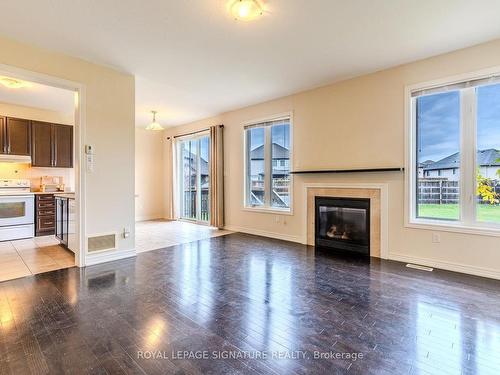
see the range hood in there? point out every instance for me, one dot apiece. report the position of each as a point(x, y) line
point(23, 159)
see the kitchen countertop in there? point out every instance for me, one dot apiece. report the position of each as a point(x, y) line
point(65, 195)
point(52, 192)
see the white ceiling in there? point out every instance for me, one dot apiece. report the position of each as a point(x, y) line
point(191, 60)
point(40, 96)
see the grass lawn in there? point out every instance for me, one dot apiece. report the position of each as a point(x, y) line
point(485, 212)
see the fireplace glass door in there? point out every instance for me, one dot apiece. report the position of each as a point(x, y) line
point(343, 224)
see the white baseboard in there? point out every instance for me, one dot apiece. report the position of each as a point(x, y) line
point(263, 233)
point(108, 256)
point(449, 266)
point(148, 217)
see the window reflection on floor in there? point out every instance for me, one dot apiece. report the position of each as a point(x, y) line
point(487, 350)
point(269, 304)
point(195, 272)
point(439, 338)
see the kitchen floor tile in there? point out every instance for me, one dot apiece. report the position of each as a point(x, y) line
point(11, 262)
point(46, 241)
point(62, 263)
point(45, 268)
point(39, 261)
point(32, 256)
point(24, 244)
point(6, 245)
point(14, 273)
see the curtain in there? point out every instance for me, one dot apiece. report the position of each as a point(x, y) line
point(217, 176)
point(172, 184)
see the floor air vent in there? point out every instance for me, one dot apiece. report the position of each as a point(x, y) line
point(421, 268)
point(101, 243)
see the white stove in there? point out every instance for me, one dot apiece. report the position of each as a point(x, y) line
point(17, 210)
point(15, 187)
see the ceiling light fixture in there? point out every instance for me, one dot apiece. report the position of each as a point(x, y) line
point(245, 10)
point(154, 125)
point(13, 83)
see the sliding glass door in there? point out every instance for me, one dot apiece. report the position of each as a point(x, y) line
point(194, 178)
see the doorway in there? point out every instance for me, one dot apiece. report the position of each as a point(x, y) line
point(51, 109)
point(194, 178)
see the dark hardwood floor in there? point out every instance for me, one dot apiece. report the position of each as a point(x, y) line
point(253, 299)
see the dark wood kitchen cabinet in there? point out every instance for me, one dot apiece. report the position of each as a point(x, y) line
point(41, 148)
point(15, 136)
point(63, 146)
point(45, 214)
point(52, 145)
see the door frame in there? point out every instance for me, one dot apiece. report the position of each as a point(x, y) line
point(78, 143)
point(180, 196)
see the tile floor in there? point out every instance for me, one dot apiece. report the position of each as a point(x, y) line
point(157, 234)
point(31, 256)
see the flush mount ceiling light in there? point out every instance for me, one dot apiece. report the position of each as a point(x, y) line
point(245, 10)
point(154, 125)
point(13, 83)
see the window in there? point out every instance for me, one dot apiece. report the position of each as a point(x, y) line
point(267, 177)
point(455, 154)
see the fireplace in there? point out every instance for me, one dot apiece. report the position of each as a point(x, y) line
point(343, 224)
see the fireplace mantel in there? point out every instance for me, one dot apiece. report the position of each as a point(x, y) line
point(359, 170)
point(378, 195)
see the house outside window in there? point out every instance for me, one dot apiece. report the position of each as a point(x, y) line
point(454, 154)
point(267, 165)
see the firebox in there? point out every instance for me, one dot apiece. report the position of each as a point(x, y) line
point(343, 224)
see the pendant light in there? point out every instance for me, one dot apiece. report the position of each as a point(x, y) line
point(154, 125)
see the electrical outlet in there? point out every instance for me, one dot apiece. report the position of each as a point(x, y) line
point(436, 238)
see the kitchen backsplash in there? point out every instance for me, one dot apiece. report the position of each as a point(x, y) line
point(14, 170)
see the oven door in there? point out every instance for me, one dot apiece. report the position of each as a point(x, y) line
point(17, 210)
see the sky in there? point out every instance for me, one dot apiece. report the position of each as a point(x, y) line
point(280, 134)
point(439, 122)
point(192, 146)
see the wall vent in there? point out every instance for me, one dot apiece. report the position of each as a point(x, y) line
point(101, 243)
point(419, 267)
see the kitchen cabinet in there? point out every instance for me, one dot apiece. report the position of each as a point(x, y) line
point(52, 145)
point(45, 214)
point(63, 146)
point(15, 136)
point(41, 145)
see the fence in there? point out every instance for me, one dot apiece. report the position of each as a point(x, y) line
point(190, 205)
point(442, 191)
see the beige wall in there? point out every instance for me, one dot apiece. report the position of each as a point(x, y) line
point(356, 123)
point(149, 174)
point(109, 109)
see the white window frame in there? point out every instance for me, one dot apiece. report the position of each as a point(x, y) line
point(267, 208)
point(467, 222)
